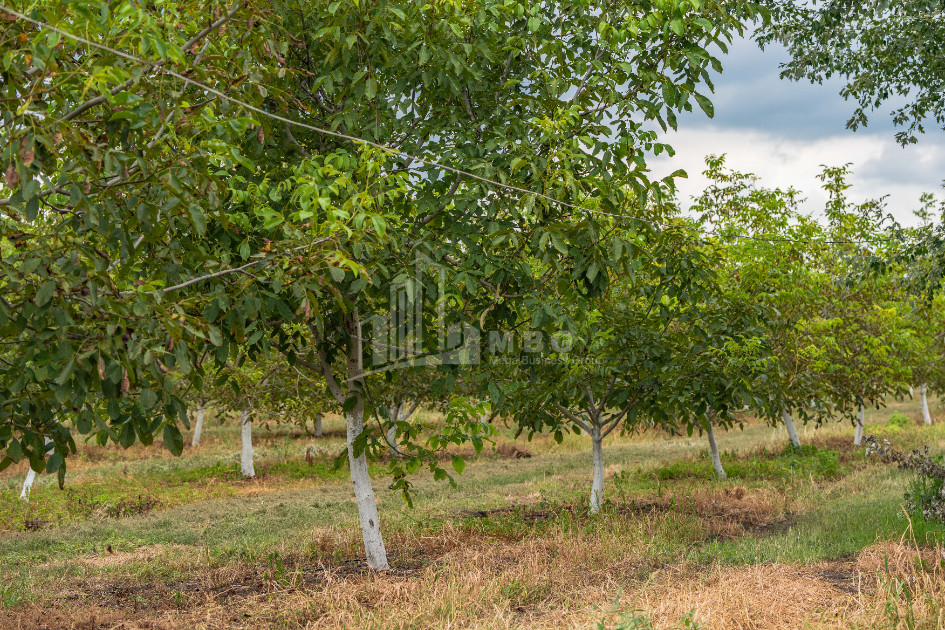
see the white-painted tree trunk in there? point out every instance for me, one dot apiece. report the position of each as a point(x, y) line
point(28, 485)
point(858, 437)
point(597, 486)
point(374, 548)
point(246, 455)
point(30, 478)
point(791, 429)
point(926, 416)
point(911, 392)
point(393, 448)
point(716, 460)
point(318, 425)
point(198, 427)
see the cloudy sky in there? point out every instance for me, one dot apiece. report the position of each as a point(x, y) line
point(783, 131)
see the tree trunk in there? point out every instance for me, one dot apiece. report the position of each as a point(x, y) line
point(858, 437)
point(597, 487)
point(30, 478)
point(716, 460)
point(246, 456)
point(318, 425)
point(198, 427)
point(374, 549)
point(28, 485)
point(791, 429)
point(393, 418)
point(364, 494)
point(925, 404)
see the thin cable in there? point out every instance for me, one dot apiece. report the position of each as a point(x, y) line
point(397, 152)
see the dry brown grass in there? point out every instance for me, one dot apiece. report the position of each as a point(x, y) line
point(147, 553)
point(853, 593)
point(749, 597)
point(730, 512)
point(465, 579)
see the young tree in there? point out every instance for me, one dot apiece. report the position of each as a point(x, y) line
point(771, 254)
point(247, 467)
point(858, 434)
point(838, 332)
point(722, 359)
point(650, 351)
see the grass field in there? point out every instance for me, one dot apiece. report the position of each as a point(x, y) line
point(810, 539)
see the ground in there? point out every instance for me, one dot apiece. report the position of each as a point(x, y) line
point(815, 538)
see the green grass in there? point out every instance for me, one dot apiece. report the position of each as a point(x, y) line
point(786, 463)
point(845, 520)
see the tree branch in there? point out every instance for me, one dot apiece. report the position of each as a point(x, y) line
point(98, 100)
point(573, 418)
point(196, 280)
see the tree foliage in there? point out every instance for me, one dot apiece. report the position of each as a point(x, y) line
point(886, 52)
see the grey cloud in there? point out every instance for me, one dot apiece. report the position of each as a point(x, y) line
point(918, 165)
point(751, 95)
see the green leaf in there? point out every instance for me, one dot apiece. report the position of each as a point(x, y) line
point(173, 440)
point(349, 405)
point(53, 463)
point(198, 219)
point(15, 451)
point(558, 243)
point(214, 334)
point(148, 398)
point(127, 436)
point(338, 275)
point(705, 104)
point(45, 293)
point(459, 464)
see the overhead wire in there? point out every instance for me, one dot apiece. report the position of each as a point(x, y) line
point(413, 158)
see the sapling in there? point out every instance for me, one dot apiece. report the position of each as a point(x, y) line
point(598, 423)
